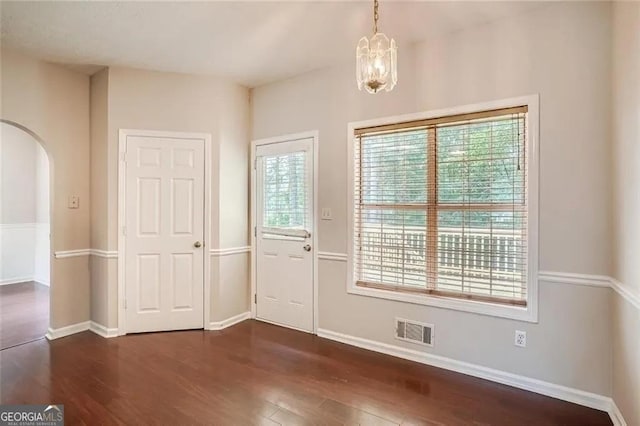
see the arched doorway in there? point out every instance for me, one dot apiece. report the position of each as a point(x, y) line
point(25, 243)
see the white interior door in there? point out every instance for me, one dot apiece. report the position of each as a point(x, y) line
point(284, 241)
point(164, 234)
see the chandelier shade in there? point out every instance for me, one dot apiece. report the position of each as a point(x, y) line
point(376, 60)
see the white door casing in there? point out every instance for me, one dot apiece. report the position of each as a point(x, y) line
point(162, 244)
point(285, 232)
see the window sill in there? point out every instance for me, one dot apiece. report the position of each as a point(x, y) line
point(519, 313)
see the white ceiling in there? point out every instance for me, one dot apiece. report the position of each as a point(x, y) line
point(252, 43)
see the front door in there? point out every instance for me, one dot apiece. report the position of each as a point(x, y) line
point(164, 233)
point(284, 241)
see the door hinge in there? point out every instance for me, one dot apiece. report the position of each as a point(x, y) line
point(123, 157)
point(255, 231)
point(255, 163)
point(124, 231)
point(124, 303)
point(255, 298)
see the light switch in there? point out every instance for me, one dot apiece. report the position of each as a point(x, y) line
point(326, 214)
point(74, 202)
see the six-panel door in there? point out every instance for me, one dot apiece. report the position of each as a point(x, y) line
point(164, 266)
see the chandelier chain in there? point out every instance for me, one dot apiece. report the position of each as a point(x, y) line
point(375, 17)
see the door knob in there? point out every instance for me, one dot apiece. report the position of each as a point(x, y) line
point(307, 247)
point(197, 244)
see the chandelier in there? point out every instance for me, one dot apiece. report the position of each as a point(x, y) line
point(376, 60)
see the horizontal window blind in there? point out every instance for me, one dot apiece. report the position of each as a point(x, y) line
point(285, 192)
point(441, 206)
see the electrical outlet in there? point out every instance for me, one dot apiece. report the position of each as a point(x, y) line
point(74, 202)
point(326, 213)
point(521, 338)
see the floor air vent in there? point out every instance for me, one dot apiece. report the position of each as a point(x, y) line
point(415, 332)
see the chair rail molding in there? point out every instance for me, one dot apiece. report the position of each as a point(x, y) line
point(625, 293)
point(589, 280)
point(337, 257)
point(229, 251)
point(109, 254)
point(22, 225)
point(577, 279)
point(63, 254)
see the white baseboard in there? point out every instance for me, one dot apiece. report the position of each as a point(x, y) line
point(616, 415)
point(15, 280)
point(42, 281)
point(68, 330)
point(220, 325)
point(8, 281)
point(103, 331)
point(576, 396)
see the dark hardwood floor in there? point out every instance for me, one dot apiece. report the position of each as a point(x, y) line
point(24, 313)
point(256, 373)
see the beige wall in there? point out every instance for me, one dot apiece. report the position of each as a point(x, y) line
point(626, 182)
point(560, 51)
point(99, 155)
point(53, 103)
point(100, 266)
point(626, 142)
point(233, 161)
point(230, 296)
point(626, 358)
point(137, 99)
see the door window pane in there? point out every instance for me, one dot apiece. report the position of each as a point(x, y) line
point(285, 191)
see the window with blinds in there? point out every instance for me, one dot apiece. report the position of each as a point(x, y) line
point(440, 206)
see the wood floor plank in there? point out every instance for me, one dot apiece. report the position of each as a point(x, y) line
point(24, 313)
point(259, 374)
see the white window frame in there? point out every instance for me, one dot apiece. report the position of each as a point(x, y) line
point(522, 313)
